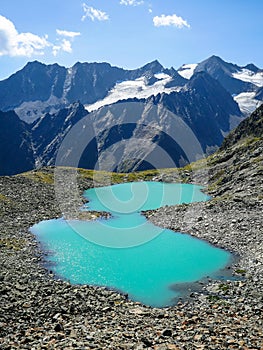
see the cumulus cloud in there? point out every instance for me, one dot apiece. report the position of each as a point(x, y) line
point(93, 13)
point(66, 43)
point(170, 20)
point(13, 43)
point(131, 2)
point(67, 33)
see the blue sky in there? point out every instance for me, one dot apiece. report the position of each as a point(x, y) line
point(129, 33)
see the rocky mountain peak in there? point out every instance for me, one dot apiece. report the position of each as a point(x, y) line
point(252, 67)
point(250, 127)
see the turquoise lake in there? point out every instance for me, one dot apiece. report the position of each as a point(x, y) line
point(126, 252)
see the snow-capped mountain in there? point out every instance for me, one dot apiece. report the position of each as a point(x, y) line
point(132, 113)
point(139, 88)
point(243, 83)
point(163, 130)
point(48, 88)
point(187, 70)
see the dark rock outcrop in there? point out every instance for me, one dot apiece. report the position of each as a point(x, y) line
point(16, 152)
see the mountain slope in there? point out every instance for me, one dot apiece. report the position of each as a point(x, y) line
point(184, 125)
point(226, 74)
point(138, 119)
point(162, 131)
point(36, 81)
point(243, 83)
point(49, 132)
point(226, 309)
point(206, 107)
point(16, 152)
point(250, 127)
point(48, 88)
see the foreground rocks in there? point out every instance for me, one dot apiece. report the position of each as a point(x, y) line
point(38, 311)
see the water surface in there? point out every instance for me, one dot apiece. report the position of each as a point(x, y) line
point(126, 252)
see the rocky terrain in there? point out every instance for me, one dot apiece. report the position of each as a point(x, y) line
point(39, 311)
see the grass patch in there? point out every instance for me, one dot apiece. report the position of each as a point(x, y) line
point(101, 176)
point(39, 176)
point(225, 197)
point(12, 243)
point(213, 298)
point(216, 180)
point(112, 177)
point(197, 165)
point(224, 287)
point(250, 140)
point(3, 198)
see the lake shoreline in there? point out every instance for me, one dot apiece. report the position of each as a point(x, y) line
point(40, 311)
point(143, 244)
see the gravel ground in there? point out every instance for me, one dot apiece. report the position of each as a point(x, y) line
point(39, 311)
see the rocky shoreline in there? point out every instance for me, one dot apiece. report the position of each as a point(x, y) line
point(39, 311)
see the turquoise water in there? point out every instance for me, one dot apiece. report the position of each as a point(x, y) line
point(126, 252)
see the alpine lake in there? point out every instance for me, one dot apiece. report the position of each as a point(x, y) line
point(126, 252)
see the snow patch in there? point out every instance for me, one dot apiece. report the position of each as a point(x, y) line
point(247, 102)
point(134, 89)
point(68, 82)
point(249, 76)
point(187, 70)
point(162, 76)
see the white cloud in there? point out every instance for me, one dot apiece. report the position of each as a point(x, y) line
point(67, 33)
point(170, 20)
point(93, 13)
point(65, 43)
point(131, 2)
point(13, 43)
point(65, 46)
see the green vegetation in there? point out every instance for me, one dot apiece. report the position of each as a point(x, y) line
point(224, 287)
point(245, 143)
point(39, 176)
point(216, 180)
point(240, 271)
point(13, 244)
point(225, 197)
point(213, 298)
point(250, 140)
point(3, 198)
point(198, 165)
point(102, 176)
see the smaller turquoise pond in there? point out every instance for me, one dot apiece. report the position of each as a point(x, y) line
point(126, 252)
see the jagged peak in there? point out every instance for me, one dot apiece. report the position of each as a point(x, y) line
point(215, 62)
point(252, 67)
point(76, 106)
point(156, 65)
point(215, 58)
point(91, 64)
point(37, 63)
point(34, 63)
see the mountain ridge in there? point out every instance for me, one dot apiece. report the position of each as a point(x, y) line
point(48, 88)
point(151, 96)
